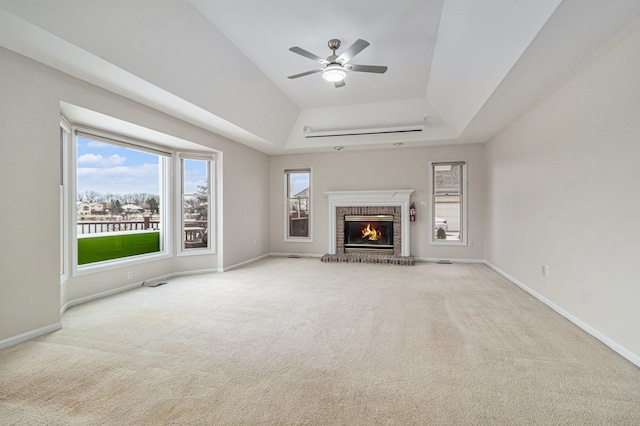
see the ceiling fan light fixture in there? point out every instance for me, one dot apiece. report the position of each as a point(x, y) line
point(334, 73)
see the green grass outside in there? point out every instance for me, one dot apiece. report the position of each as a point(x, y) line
point(99, 249)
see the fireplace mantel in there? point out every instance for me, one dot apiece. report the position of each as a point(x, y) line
point(396, 197)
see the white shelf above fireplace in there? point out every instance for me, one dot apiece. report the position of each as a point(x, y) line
point(395, 197)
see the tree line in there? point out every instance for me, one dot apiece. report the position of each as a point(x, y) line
point(115, 202)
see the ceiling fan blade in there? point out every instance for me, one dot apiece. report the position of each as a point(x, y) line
point(352, 51)
point(302, 74)
point(307, 54)
point(339, 83)
point(367, 68)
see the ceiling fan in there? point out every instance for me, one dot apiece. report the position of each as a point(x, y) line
point(336, 67)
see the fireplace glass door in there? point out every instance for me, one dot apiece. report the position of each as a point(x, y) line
point(368, 233)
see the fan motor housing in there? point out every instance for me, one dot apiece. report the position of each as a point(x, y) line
point(334, 44)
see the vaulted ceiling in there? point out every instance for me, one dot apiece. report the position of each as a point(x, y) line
point(458, 69)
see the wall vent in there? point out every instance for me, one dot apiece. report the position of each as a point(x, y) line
point(308, 133)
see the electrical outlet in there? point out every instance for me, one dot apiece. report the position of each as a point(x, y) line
point(544, 270)
point(129, 275)
point(470, 243)
point(255, 242)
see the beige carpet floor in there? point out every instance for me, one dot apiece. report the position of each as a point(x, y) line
point(297, 341)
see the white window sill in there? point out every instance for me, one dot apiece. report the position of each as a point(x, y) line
point(448, 243)
point(298, 240)
point(93, 268)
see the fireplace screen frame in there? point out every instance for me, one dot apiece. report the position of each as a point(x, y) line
point(385, 246)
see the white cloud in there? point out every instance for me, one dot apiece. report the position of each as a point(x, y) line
point(114, 160)
point(95, 144)
point(89, 159)
point(119, 180)
point(100, 161)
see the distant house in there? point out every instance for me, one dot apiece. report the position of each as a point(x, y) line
point(302, 198)
point(83, 208)
point(132, 208)
point(302, 194)
point(97, 208)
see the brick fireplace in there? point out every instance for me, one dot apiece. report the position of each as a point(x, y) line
point(370, 203)
point(369, 214)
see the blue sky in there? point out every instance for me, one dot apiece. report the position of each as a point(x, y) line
point(298, 182)
point(195, 173)
point(113, 169)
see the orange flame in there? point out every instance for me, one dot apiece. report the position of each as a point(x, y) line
point(371, 234)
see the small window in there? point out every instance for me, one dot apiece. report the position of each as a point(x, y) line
point(448, 201)
point(196, 204)
point(298, 205)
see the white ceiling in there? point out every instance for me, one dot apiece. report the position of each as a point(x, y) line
point(465, 68)
point(403, 37)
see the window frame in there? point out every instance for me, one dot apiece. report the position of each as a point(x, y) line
point(462, 240)
point(287, 236)
point(211, 227)
point(165, 178)
point(65, 142)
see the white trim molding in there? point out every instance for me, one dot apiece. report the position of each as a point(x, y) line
point(391, 197)
point(100, 295)
point(12, 341)
point(246, 262)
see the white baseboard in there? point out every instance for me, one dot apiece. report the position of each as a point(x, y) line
point(183, 274)
point(128, 287)
point(621, 350)
point(294, 255)
point(100, 295)
point(438, 259)
point(246, 262)
point(11, 341)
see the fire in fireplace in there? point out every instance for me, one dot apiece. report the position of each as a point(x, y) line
point(368, 233)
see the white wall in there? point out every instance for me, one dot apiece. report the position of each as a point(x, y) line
point(564, 191)
point(399, 168)
point(30, 292)
point(29, 152)
point(246, 208)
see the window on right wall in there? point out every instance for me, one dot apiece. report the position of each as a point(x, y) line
point(448, 191)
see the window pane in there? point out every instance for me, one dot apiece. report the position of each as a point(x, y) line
point(447, 179)
point(298, 204)
point(447, 201)
point(447, 212)
point(118, 201)
point(195, 203)
point(298, 185)
point(195, 176)
point(63, 201)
